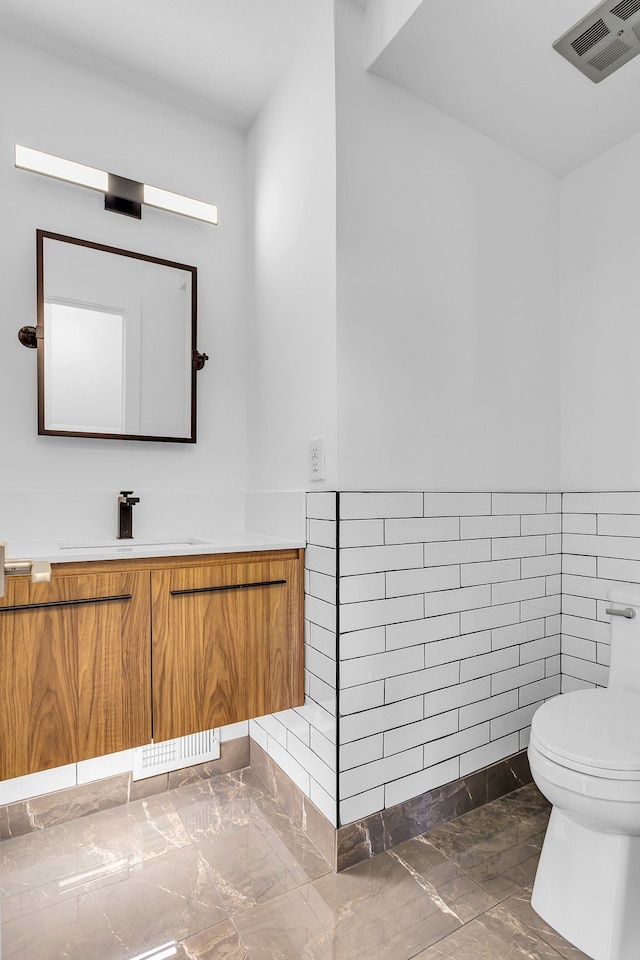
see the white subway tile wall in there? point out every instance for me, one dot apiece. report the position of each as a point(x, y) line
point(601, 550)
point(449, 635)
point(459, 614)
point(303, 741)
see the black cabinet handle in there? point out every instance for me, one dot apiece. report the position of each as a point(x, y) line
point(230, 586)
point(64, 603)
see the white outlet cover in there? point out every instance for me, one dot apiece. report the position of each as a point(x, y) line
point(316, 459)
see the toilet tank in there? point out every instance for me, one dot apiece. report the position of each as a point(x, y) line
point(624, 672)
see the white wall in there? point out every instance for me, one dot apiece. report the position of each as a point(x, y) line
point(447, 296)
point(292, 336)
point(53, 106)
point(599, 244)
point(383, 20)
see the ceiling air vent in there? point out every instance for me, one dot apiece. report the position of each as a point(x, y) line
point(610, 35)
point(626, 9)
point(590, 37)
point(609, 55)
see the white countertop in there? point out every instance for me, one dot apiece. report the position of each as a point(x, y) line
point(104, 548)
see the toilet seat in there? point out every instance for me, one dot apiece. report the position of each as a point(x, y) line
point(594, 732)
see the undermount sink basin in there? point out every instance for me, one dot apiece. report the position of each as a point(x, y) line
point(124, 546)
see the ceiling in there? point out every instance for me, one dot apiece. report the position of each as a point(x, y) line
point(491, 64)
point(218, 57)
point(488, 63)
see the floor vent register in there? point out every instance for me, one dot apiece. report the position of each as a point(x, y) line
point(168, 755)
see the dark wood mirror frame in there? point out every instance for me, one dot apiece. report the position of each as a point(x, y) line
point(197, 359)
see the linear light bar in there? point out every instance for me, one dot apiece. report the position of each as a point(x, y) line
point(121, 195)
point(60, 169)
point(176, 203)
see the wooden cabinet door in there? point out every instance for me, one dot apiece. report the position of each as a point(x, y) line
point(75, 669)
point(227, 643)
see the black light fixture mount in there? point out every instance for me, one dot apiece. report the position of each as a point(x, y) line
point(124, 196)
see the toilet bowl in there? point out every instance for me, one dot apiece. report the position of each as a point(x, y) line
point(584, 754)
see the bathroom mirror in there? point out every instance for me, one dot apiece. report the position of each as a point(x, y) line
point(116, 341)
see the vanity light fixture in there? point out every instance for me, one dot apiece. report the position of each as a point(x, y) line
point(121, 195)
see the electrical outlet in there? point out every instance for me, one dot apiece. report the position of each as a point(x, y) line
point(316, 459)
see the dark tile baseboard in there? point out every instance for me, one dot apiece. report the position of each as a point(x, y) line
point(294, 802)
point(366, 838)
point(342, 848)
point(49, 809)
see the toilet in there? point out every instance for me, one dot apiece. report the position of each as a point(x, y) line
point(584, 755)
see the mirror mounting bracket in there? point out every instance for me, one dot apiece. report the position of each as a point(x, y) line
point(28, 337)
point(200, 359)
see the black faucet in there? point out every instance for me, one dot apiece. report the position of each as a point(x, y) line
point(125, 514)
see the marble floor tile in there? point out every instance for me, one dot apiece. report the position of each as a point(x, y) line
point(443, 880)
point(210, 807)
point(216, 870)
point(116, 838)
point(474, 837)
point(220, 942)
point(528, 805)
point(508, 871)
point(490, 830)
point(285, 927)
point(260, 861)
point(118, 915)
point(496, 935)
point(376, 909)
point(520, 906)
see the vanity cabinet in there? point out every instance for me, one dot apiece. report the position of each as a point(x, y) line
point(227, 642)
point(75, 674)
point(113, 654)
